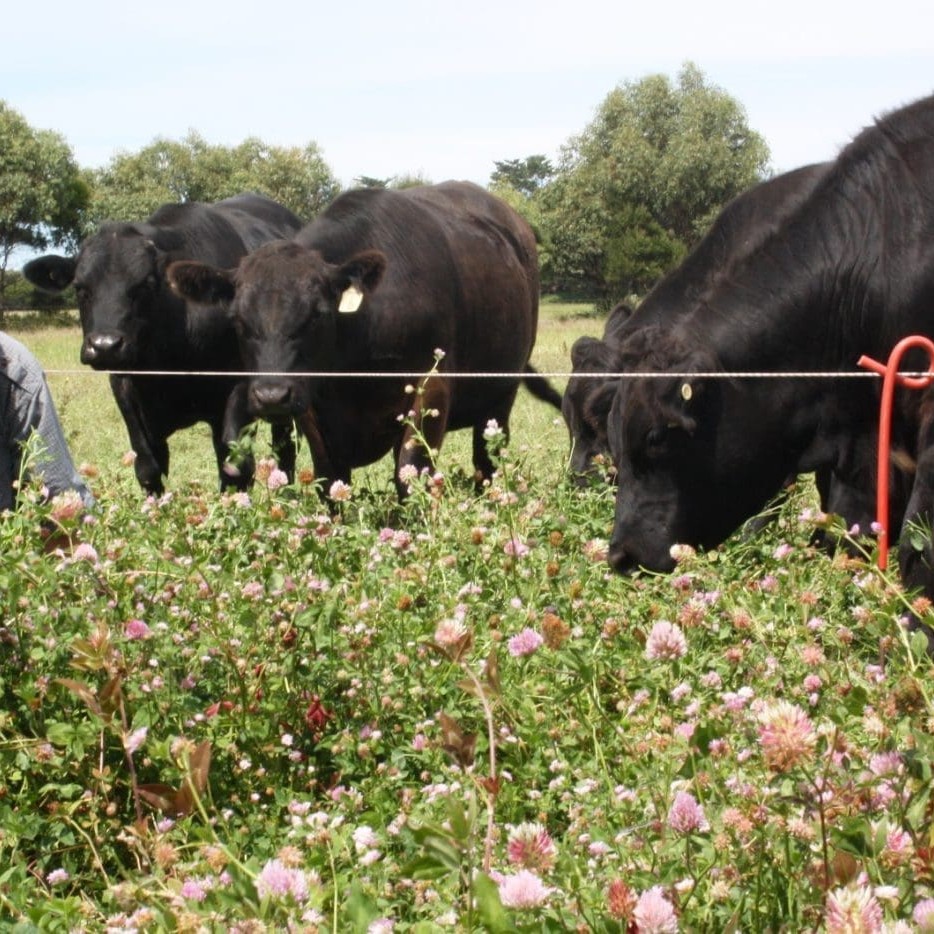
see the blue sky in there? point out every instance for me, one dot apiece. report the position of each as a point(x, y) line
point(445, 90)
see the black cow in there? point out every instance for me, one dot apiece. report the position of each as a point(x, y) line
point(377, 283)
point(740, 227)
point(851, 271)
point(131, 320)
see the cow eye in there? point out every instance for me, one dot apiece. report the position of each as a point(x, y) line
point(656, 442)
point(82, 294)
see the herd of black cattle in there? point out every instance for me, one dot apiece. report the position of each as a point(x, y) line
point(802, 274)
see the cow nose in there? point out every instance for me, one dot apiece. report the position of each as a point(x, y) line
point(271, 398)
point(100, 348)
point(619, 559)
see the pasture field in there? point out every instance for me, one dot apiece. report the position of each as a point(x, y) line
point(97, 435)
point(241, 712)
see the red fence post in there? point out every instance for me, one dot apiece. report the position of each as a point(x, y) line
point(891, 376)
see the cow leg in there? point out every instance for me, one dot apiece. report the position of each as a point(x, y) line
point(424, 431)
point(915, 542)
point(151, 467)
point(235, 464)
point(325, 467)
point(849, 489)
point(915, 547)
point(284, 448)
point(482, 462)
point(152, 454)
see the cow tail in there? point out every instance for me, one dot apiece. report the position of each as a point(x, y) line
point(540, 387)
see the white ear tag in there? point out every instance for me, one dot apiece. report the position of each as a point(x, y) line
point(686, 392)
point(351, 299)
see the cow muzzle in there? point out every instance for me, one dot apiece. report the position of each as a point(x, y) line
point(272, 400)
point(103, 351)
point(620, 559)
point(634, 557)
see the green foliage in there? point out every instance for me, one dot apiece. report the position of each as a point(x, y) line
point(638, 251)
point(224, 708)
point(133, 185)
point(406, 180)
point(645, 178)
point(370, 181)
point(526, 175)
point(409, 180)
point(43, 194)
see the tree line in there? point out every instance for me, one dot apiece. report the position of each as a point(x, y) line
point(627, 198)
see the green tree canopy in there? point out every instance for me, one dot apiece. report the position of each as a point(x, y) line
point(526, 175)
point(637, 188)
point(409, 180)
point(43, 193)
point(133, 185)
point(398, 182)
point(371, 181)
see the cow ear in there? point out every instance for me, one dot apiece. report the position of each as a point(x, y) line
point(201, 283)
point(684, 415)
point(617, 321)
point(50, 273)
point(585, 350)
point(359, 275)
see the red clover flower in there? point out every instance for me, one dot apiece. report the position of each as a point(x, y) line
point(666, 642)
point(686, 815)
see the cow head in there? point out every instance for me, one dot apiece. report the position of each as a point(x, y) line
point(118, 278)
point(695, 456)
point(586, 404)
point(285, 301)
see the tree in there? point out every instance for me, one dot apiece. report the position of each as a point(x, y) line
point(133, 185)
point(409, 180)
point(43, 193)
point(637, 188)
point(397, 182)
point(370, 181)
point(297, 177)
point(526, 175)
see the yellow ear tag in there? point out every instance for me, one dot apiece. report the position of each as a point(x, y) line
point(686, 392)
point(351, 299)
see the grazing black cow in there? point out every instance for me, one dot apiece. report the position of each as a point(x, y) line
point(131, 320)
point(741, 226)
point(377, 283)
point(851, 271)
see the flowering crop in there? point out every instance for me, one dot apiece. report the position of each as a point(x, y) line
point(259, 712)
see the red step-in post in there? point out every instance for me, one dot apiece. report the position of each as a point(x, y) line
point(890, 377)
